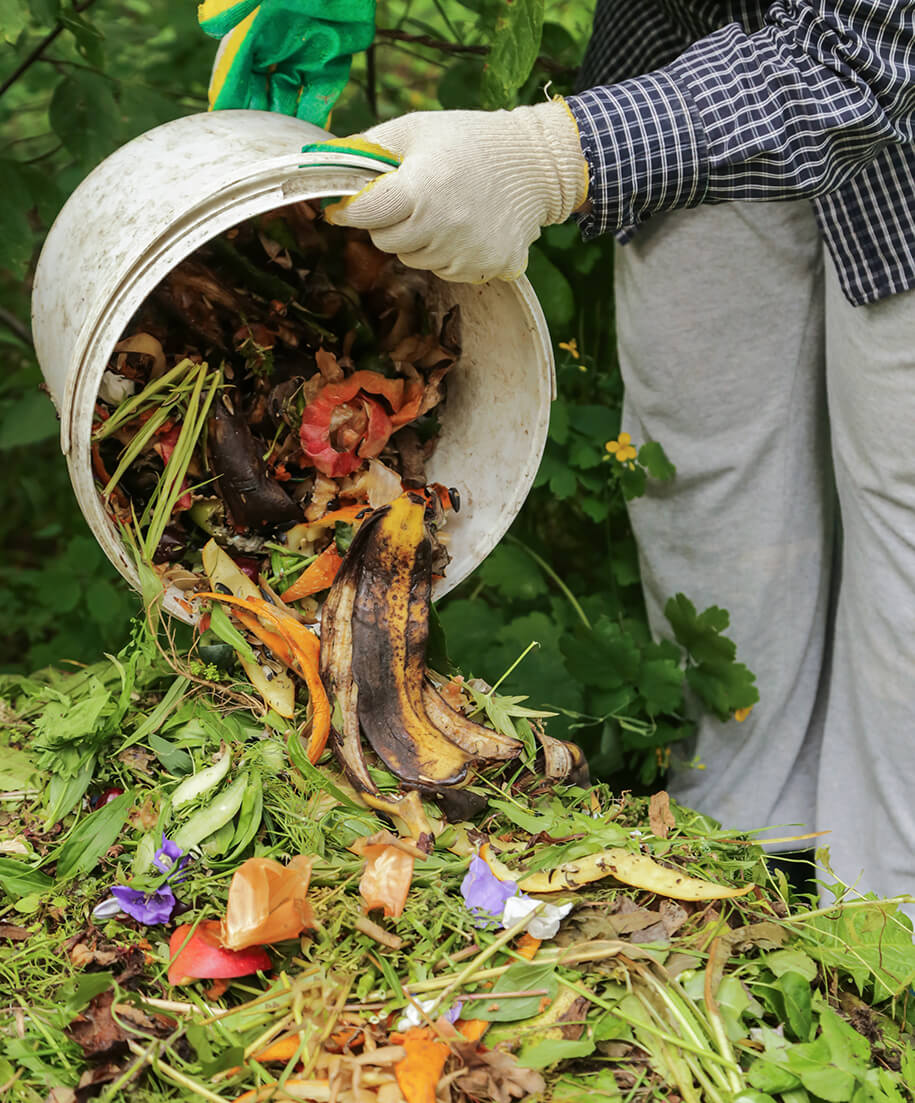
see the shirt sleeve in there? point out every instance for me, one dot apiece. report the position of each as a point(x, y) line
point(792, 110)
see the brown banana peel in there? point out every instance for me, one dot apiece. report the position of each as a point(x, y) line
point(636, 870)
point(374, 635)
point(390, 632)
point(473, 738)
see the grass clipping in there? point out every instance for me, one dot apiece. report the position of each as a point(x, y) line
point(645, 991)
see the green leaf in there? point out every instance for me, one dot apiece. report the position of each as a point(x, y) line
point(460, 86)
point(796, 961)
point(511, 571)
point(584, 455)
point(531, 822)
point(595, 508)
point(85, 117)
point(16, 236)
point(173, 758)
point(92, 837)
point(514, 37)
point(553, 290)
point(795, 993)
point(222, 626)
point(563, 484)
point(18, 770)
point(88, 36)
point(655, 462)
point(44, 12)
point(660, 682)
point(79, 991)
point(723, 686)
point(597, 423)
point(700, 633)
point(769, 1077)
point(603, 657)
point(519, 978)
point(14, 18)
point(872, 945)
point(559, 421)
point(541, 1055)
point(847, 1048)
point(632, 481)
point(19, 880)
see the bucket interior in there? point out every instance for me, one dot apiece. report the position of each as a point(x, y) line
point(493, 421)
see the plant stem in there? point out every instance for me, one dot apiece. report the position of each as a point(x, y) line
point(530, 647)
point(495, 946)
point(548, 570)
point(28, 61)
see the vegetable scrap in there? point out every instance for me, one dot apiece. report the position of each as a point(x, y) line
point(281, 381)
point(559, 942)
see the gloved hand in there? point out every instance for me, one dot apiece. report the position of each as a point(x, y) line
point(473, 189)
point(291, 56)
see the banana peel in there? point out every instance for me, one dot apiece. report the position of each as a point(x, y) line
point(374, 634)
point(636, 870)
point(390, 633)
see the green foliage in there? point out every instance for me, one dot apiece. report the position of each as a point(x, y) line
point(567, 577)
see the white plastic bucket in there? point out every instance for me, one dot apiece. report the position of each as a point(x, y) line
point(161, 196)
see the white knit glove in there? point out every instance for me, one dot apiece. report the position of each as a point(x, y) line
point(473, 189)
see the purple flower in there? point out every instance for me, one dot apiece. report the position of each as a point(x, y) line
point(483, 892)
point(147, 907)
point(169, 858)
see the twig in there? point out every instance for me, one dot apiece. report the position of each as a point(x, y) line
point(446, 47)
point(12, 323)
point(28, 61)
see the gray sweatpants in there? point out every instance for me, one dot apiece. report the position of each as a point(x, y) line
point(784, 409)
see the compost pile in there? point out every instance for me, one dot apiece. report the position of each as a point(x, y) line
point(193, 910)
point(280, 380)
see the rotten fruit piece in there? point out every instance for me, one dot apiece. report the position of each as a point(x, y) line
point(318, 575)
point(374, 633)
point(267, 903)
point(252, 497)
point(388, 872)
point(201, 957)
point(371, 426)
point(295, 646)
point(631, 869)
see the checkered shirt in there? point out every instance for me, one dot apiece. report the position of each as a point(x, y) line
point(705, 101)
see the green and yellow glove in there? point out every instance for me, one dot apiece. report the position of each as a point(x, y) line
point(290, 56)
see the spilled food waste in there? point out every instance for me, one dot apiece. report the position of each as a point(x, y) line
point(287, 852)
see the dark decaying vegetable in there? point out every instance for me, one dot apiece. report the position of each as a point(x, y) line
point(251, 496)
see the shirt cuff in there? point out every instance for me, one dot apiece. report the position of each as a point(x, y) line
point(645, 149)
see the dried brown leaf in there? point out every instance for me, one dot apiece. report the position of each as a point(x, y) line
point(96, 1031)
point(10, 932)
point(493, 1075)
point(660, 817)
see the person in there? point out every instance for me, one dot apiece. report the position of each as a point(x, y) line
point(758, 164)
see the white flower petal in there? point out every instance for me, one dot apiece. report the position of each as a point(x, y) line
point(107, 909)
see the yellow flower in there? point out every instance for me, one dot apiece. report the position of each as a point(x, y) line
point(741, 714)
point(571, 347)
point(622, 449)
